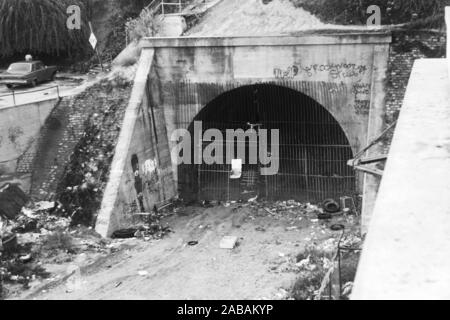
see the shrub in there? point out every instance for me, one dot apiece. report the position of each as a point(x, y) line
point(419, 12)
point(143, 26)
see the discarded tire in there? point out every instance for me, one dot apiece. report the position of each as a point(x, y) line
point(337, 227)
point(331, 206)
point(124, 234)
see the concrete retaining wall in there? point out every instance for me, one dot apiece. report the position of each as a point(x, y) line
point(19, 126)
point(405, 253)
point(137, 141)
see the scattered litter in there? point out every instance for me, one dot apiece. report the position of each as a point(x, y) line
point(228, 242)
point(260, 229)
point(192, 243)
point(74, 281)
point(324, 216)
point(143, 273)
point(26, 258)
point(29, 213)
point(44, 205)
point(347, 289)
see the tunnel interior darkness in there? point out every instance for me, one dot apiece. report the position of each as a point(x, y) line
point(313, 149)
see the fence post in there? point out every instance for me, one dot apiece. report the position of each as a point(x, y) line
point(339, 272)
point(57, 90)
point(14, 98)
point(162, 7)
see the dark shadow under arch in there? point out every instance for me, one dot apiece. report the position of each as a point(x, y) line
point(314, 149)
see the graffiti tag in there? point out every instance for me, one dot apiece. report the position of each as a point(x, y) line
point(335, 71)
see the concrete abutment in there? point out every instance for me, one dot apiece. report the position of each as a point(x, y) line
point(345, 72)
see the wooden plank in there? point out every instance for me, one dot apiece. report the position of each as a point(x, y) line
point(373, 171)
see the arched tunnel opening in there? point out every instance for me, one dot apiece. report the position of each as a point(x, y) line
point(312, 156)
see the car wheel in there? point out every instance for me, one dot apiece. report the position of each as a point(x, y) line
point(53, 77)
point(9, 86)
point(34, 83)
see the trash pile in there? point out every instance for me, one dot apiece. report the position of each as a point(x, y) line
point(311, 266)
point(36, 237)
point(81, 189)
point(148, 226)
point(292, 209)
point(317, 265)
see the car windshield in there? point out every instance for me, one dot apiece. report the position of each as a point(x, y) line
point(19, 68)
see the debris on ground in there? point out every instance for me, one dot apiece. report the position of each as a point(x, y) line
point(228, 242)
point(149, 227)
point(35, 238)
point(331, 206)
point(12, 200)
point(46, 240)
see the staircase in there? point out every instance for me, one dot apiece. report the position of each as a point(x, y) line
point(46, 160)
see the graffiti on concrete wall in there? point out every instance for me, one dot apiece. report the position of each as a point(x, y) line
point(14, 135)
point(335, 71)
point(361, 92)
point(289, 73)
point(150, 170)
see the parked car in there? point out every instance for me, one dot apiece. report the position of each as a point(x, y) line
point(27, 73)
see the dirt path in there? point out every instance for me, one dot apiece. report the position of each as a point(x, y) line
point(256, 269)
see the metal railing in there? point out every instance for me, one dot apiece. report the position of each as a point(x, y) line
point(164, 7)
point(14, 94)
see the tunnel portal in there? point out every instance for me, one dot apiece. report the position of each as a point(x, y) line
point(312, 157)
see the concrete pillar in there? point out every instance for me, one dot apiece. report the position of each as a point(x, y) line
point(376, 127)
point(112, 207)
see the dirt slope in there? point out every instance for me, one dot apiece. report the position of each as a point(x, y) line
point(252, 17)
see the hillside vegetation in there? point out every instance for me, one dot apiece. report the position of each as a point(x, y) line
point(39, 27)
point(416, 13)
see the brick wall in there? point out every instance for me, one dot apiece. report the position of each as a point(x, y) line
point(405, 49)
point(62, 132)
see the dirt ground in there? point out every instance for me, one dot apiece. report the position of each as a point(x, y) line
point(262, 266)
